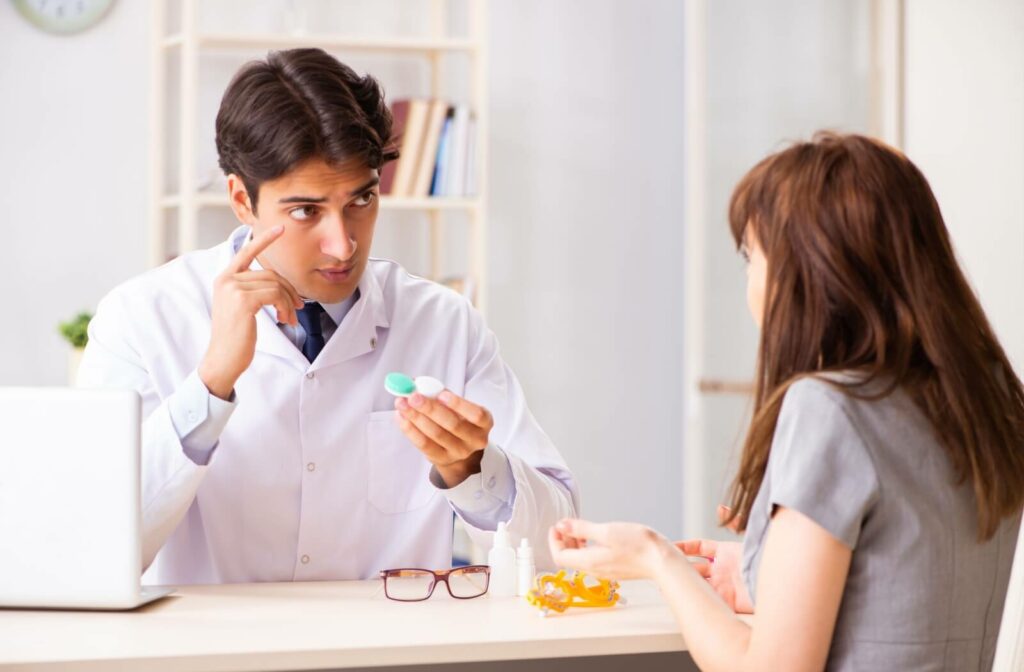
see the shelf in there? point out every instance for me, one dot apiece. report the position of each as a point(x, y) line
point(215, 200)
point(736, 387)
point(428, 203)
point(326, 42)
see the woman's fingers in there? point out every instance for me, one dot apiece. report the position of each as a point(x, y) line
point(703, 568)
point(583, 530)
point(591, 559)
point(705, 548)
point(723, 513)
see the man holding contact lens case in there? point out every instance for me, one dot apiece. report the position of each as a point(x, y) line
point(271, 450)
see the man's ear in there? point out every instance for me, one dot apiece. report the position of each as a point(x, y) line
point(241, 204)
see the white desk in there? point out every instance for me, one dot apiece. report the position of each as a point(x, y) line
point(305, 626)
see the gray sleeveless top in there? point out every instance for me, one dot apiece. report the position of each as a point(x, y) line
point(922, 593)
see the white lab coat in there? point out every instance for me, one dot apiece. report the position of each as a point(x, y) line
point(312, 479)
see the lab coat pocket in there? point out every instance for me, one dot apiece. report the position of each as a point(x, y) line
point(399, 478)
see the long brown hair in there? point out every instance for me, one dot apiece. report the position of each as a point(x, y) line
point(861, 275)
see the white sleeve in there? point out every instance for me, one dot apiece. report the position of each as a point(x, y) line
point(482, 499)
point(169, 478)
point(199, 417)
point(543, 489)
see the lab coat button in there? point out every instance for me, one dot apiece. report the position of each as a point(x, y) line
point(491, 481)
point(310, 375)
point(311, 466)
point(305, 559)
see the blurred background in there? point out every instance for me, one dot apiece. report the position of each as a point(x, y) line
point(589, 225)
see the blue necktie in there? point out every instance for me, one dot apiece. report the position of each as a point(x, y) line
point(309, 318)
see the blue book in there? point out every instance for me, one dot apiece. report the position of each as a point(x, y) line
point(438, 185)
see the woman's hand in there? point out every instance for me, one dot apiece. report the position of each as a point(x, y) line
point(618, 551)
point(723, 571)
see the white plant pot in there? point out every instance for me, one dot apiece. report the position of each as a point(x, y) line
point(74, 359)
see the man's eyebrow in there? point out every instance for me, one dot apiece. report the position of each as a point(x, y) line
point(323, 199)
point(366, 187)
point(303, 199)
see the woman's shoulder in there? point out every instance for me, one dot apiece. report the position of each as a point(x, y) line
point(846, 390)
point(848, 412)
point(819, 463)
point(825, 390)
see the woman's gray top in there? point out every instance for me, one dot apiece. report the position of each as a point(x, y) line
point(922, 593)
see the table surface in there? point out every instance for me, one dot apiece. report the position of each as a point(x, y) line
point(303, 626)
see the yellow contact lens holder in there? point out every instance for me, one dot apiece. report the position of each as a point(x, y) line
point(558, 592)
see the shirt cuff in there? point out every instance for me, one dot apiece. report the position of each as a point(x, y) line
point(199, 418)
point(485, 499)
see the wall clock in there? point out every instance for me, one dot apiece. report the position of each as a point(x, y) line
point(63, 16)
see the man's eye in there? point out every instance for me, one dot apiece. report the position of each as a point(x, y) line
point(303, 213)
point(363, 200)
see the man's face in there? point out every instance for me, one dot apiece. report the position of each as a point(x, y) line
point(328, 213)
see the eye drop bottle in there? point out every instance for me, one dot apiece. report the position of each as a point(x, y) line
point(502, 559)
point(526, 568)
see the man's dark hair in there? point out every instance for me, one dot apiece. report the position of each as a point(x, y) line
point(297, 105)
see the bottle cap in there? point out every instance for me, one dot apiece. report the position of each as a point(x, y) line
point(399, 384)
point(501, 539)
point(428, 386)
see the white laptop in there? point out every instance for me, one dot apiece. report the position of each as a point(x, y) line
point(70, 534)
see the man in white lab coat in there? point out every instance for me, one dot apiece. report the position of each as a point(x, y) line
point(271, 450)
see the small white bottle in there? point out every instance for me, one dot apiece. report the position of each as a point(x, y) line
point(502, 559)
point(526, 569)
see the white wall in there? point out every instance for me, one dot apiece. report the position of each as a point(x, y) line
point(72, 180)
point(775, 73)
point(586, 238)
point(964, 127)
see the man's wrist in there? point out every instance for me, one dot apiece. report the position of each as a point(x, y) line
point(457, 472)
point(219, 386)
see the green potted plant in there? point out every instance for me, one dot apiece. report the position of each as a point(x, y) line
point(76, 332)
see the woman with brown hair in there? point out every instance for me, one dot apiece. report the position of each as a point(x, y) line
point(882, 477)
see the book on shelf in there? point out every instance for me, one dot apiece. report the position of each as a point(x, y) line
point(443, 152)
point(399, 115)
point(455, 181)
point(437, 144)
point(410, 147)
point(470, 186)
point(428, 155)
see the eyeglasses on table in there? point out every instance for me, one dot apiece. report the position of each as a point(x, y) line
point(415, 585)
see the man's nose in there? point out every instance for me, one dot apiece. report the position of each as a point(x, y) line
point(338, 241)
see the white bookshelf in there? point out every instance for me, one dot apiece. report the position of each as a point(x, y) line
point(181, 209)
